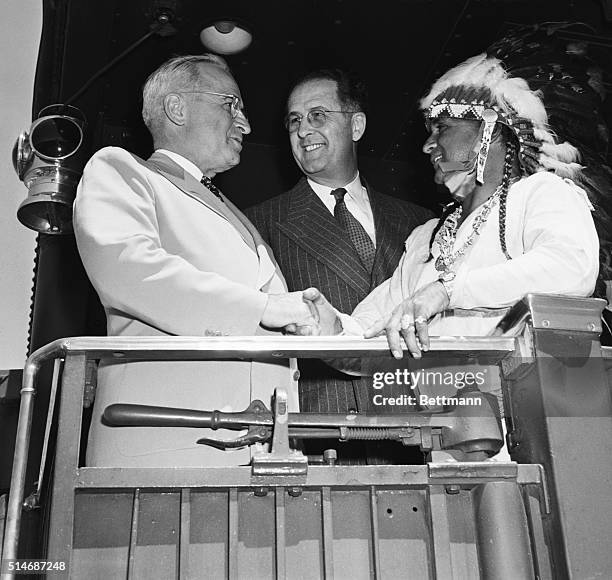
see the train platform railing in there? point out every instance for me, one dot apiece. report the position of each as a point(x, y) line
point(282, 518)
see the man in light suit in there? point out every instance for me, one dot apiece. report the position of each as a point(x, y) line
point(326, 118)
point(169, 254)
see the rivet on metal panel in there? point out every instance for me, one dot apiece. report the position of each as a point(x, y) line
point(452, 489)
point(294, 491)
point(119, 354)
point(545, 323)
point(260, 491)
point(591, 326)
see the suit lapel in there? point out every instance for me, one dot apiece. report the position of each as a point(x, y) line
point(311, 226)
point(389, 238)
point(260, 243)
point(188, 184)
point(228, 211)
point(194, 189)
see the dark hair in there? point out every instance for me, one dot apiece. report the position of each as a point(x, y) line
point(352, 91)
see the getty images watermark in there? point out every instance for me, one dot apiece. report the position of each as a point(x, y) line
point(427, 380)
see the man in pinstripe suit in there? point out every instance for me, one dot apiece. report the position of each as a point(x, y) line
point(326, 117)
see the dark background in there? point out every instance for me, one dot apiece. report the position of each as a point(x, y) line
point(398, 46)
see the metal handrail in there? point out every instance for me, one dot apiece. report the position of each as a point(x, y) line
point(198, 348)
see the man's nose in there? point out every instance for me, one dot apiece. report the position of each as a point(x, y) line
point(429, 145)
point(304, 128)
point(242, 123)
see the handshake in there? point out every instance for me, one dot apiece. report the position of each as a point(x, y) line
point(305, 313)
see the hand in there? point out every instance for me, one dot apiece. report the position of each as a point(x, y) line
point(288, 310)
point(324, 312)
point(409, 319)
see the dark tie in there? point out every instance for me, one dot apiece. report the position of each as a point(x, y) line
point(206, 182)
point(358, 236)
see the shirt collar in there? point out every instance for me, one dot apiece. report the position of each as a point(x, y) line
point(187, 165)
point(354, 189)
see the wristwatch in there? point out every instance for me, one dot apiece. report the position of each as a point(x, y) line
point(447, 279)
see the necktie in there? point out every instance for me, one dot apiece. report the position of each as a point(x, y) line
point(206, 182)
point(358, 236)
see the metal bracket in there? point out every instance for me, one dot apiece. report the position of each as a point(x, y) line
point(281, 460)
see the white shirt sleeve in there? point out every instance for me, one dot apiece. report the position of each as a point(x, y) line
point(553, 227)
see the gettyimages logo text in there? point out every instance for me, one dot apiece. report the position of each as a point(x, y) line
point(422, 378)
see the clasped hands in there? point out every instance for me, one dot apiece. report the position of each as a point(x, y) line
point(308, 313)
point(305, 313)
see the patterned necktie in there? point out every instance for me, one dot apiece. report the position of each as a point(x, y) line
point(358, 236)
point(206, 182)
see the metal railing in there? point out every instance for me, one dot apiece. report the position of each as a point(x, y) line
point(196, 348)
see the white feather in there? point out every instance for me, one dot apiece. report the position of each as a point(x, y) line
point(571, 170)
point(564, 152)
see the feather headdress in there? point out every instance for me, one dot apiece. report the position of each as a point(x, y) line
point(481, 84)
point(548, 89)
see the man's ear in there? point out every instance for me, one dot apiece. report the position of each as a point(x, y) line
point(174, 108)
point(358, 125)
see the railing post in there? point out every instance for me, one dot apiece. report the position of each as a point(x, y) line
point(67, 457)
point(558, 398)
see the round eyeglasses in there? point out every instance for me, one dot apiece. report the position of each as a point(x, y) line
point(235, 105)
point(316, 118)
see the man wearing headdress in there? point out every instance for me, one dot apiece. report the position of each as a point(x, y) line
point(519, 223)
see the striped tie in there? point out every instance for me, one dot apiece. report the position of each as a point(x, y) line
point(358, 236)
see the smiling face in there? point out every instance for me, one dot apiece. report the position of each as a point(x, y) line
point(212, 139)
point(452, 146)
point(327, 154)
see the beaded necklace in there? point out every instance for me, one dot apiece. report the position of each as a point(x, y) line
point(448, 233)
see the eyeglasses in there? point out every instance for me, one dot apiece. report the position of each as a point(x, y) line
point(235, 107)
point(316, 118)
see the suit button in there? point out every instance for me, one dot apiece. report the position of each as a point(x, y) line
point(296, 375)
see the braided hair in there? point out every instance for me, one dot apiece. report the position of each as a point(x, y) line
point(511, 150)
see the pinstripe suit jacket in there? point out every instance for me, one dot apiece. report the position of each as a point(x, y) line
point(313, 250)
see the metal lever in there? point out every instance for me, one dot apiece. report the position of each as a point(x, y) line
point(468, 429)
point(127, 415)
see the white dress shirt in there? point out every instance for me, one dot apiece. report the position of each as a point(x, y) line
point(356, 199)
